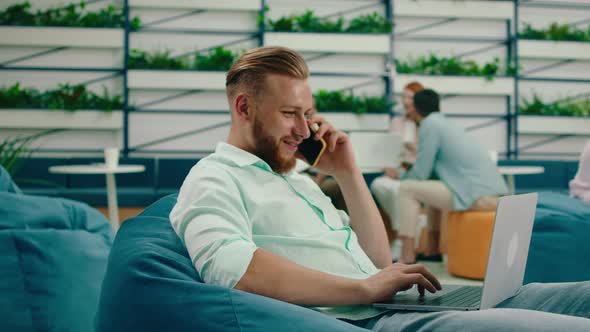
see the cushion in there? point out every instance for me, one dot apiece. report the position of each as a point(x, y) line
point(6, 183)
point(559, 246)
point(56, 251)
point(468, 245)
point(151, 285)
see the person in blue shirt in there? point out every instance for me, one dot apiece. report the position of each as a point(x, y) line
point(467, 177)
point(250, 222)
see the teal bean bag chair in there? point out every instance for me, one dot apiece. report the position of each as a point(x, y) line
point(53, 255)
point(151, 285)
point(560, 245)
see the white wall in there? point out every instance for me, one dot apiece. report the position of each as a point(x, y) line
point(146, 126)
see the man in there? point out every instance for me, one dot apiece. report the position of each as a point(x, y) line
point(469, 179)
point(250, 223)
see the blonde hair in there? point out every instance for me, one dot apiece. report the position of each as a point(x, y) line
point(250, 70)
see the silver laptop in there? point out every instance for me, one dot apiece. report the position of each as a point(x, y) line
point(374, 151)
point(509, 250)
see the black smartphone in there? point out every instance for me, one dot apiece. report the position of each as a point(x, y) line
point(311, 149)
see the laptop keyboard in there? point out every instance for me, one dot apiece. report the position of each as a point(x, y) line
point(466, 296)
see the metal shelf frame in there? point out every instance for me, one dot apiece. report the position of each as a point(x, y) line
point(510, 117)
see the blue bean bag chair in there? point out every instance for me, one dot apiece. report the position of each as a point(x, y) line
point(151, 285)
point(560, 245)
point(53, 255)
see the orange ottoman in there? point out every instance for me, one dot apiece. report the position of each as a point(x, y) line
point(468, 242)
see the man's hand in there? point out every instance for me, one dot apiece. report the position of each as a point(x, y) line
point(391, 172)
point(338, 158)
point(399, 277)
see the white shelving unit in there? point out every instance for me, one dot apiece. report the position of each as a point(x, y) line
point(456, 9)
point(57, 37)
point(465, 85)
point(330, 42)
point(229, 5)
point(176, 80)
point(542, 49)
point(553, 125)
point(48, 119)
point(355, 122)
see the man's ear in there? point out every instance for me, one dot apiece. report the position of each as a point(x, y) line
point(242, 106)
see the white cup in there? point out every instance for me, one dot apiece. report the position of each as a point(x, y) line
point(111, 157)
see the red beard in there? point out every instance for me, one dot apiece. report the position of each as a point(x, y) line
point(267, 149)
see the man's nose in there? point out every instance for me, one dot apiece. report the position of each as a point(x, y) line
point(302, 127)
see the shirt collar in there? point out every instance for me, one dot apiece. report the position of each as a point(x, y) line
point(242, 158)
point(239, 157)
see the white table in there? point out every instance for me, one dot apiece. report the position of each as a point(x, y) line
point(511, 171)
point(110, 177)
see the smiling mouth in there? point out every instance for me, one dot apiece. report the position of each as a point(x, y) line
point(292, 145)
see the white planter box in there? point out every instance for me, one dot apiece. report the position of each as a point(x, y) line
point(50, 119)
point(176, 80)
point(350, 121)
point(56, 37)
point(534, 124)
point(461, 85)
point(459, 9)
point(330, 42)
point(544, 49)
point(232, 5)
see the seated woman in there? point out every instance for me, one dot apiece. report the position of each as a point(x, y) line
point(580, 185)
point(385, 188)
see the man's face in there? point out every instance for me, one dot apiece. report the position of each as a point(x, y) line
point(408, 102)
point(280, 120)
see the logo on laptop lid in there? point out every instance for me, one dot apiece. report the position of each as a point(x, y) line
point(512, 249)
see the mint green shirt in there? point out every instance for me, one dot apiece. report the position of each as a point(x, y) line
point(232, 203)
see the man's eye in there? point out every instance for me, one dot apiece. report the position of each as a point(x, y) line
point(308, 116)
point(289, 114)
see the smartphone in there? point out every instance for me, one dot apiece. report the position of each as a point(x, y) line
point(311, 149)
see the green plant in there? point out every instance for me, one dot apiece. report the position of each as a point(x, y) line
point(66, 97)
point(556, 31)
point(157, 59)
point(434, 65)
point(217, 59)
point(72, 15)
point(339, 101)
point(309, 22)
point(15, 150)
point(370, 23)
point(566, 107)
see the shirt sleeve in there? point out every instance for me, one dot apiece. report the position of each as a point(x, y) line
point(428, 146)
point(211, 220)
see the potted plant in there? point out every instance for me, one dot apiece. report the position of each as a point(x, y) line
point(566, 116)
point(161, 70)
point(70, 25)
point(559, 41)
point(15, 150)
point(451, 75)
point(67, 106)
point(347, 111)
point(366, 34)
